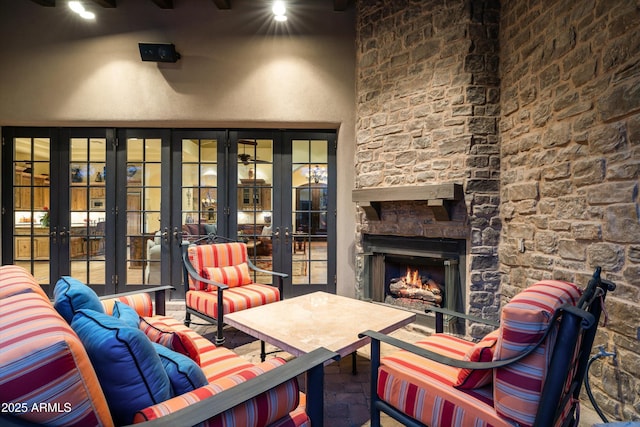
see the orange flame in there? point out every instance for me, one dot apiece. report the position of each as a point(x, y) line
point(413, 278)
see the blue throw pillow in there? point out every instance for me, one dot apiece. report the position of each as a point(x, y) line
point(71, 295)
point(129, 369)
point(127, 314)
point(184, 374)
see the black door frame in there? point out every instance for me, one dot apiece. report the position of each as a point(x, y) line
point(171, 209)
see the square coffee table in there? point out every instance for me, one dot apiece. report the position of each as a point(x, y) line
point(302, 324)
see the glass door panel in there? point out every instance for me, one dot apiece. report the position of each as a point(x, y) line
point(143, 188)
point(254, 198)
point(310, 195)
point(31, 204)
point(87, 195)
point(199, 190)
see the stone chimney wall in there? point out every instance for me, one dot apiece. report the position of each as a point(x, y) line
point(427, 112)
point(570, 139)
point(547, 147)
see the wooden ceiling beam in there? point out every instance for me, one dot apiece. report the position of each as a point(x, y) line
point(223, 4)
point(105, 3)
point(164, 4)
point(340, 5)
point(48, 3)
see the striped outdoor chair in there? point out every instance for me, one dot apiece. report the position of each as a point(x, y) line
point(218, 280)
point(526, 373)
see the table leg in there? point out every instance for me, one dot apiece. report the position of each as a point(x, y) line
point(354, 366)
point(263, 353)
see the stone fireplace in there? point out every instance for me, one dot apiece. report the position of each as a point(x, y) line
point(416, 274)
point(428, 120)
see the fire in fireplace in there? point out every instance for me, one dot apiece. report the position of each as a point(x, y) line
point(413, 285)
point(419, 285)
point(415, 273)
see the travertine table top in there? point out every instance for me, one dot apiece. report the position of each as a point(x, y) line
point(302, 324)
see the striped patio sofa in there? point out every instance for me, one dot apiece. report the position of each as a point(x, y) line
point(50, 374)
point(526, 373)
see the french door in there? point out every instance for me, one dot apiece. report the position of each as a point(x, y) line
point(273, 190)
point(55, 220)
point(112, 207)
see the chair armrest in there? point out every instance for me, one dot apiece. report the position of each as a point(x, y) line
point(586, 320)
point(311, 363)
point(143, 290)
point(441, 312)
point(260, 270)
point(427, 354)
point(158, 291)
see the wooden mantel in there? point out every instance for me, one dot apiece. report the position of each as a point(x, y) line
point(437, 196)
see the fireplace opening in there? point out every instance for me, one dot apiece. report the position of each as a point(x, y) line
point(415, 283)
point(415, 274)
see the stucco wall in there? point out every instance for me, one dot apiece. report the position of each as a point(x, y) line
point(237, 70)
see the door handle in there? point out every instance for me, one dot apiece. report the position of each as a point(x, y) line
point(54, 235)
point(286, 236)
point(176, 235)
point(165, 235)
point(277, 232)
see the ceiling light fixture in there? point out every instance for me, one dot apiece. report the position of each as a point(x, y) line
point(78, 8)
point(279, 10)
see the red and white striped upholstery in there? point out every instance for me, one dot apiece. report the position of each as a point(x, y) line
point(523, 320)
point(225, 260)
point(141, 303)
point(43, 362)
point(426, 390)
point(44, 365)
point(216, 255)
point(263, 410)
point(423, 389)
point(234, 299)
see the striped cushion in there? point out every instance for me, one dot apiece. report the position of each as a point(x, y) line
point(141, 303)
point(480, 352)
point(16, 280)
point(43, 362)
point(262, 410)
point(216, 362)
point(524, 319)
point(216, 255)
point(423, 390)
point(232, 275)
point(296, 418)
point(160, 333)
point(234, 299)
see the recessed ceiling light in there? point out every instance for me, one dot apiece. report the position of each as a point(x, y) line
point(87, 15)
point(279, 8)
point(78, 8)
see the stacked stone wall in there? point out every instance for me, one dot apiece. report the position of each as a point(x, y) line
point(427, 112)
point(570, 140)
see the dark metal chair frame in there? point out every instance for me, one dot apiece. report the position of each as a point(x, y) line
point(574, 322)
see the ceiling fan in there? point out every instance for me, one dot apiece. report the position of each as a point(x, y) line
point(245, 157)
